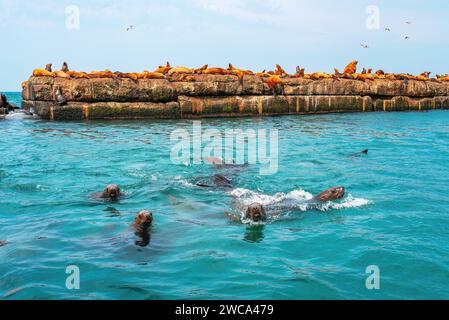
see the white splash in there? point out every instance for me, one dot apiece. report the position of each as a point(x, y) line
point(294, 200)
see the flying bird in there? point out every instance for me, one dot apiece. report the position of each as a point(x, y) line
point(408, 22)
point(364, 46)
point(131, 27)
point(406, 38)
point(387, 29)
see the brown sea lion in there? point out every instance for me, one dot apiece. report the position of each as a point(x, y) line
point(48, 67)
point(42, 73)
point(214, 71)
point(163, 70)
point(280, 71)
point(237, 70)
point(65, 67)
point(331, 194)
point(256, 212)
point(380, 72)
point(78, 75)
point(180, 70)
point(111, 192)
point(351, 67)
point(300, 72)
point(263, 74)
point(61, 74)
point(276, 84)
point(142, 225)
point(151, 75)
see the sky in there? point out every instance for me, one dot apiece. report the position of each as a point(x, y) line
point(318, 35)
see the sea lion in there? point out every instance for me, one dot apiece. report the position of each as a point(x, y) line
point(331, 194)
point(218, 180)
point(42, 73)
point(351, 67)
point(78, 75)
point(256, 212)
point(300, 72)
point(180, 70)
point(280, 71)
point(59, 97)
point(163, 70)
point(276, 84)
point(65, 67)
point(214, 71)
point(111, 192)
point(142, 225)
point(151, 75)
point(263, 74)
point(3, 243)
point(61, 74)
point(48, 67)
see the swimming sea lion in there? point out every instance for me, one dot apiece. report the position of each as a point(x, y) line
point(59, 97)
point(256, 213)
point(48, 67)
point(331, 194)
point(65, 67)
point(111, 192)
point(3, 243)
point(218, 180)
point(142, 225)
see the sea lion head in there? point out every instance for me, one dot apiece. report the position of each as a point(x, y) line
point(143, 220)
point(331, 194)
point(256, 212)
point(112, 191)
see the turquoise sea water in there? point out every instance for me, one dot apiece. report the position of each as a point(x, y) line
point(395, 215)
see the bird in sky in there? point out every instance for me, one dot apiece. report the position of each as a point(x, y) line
point(131, 27)
point(364, 46)
point(387, 29)
point(408, 22)
point(406, 38)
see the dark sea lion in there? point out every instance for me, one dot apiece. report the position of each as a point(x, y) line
point(65, 67)
point(59, 98)
point(3, 243)
point(111, 192)
point(218, 180)
point(358, 154)
point(142, 225)
point(48, 67)
point(256, 212)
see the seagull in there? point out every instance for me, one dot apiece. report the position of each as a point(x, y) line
point(406, 38)
point(131, 27)
point(387, 29)
point(408, 22)
point(364, 46)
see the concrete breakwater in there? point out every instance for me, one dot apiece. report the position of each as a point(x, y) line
point(224, 95)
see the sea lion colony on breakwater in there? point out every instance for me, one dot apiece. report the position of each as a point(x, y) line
point(181, 92)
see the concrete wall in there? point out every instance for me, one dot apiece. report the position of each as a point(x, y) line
point(216, 95)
